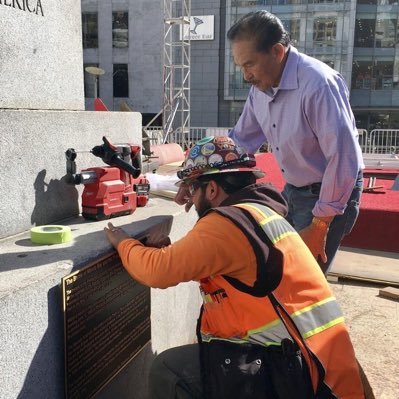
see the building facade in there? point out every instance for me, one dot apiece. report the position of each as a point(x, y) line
point(375, 66)
point(124, 38)
point(357, 38)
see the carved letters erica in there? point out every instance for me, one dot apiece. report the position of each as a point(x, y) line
point(32, 6)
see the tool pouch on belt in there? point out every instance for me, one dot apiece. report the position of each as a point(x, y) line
point(248, 371)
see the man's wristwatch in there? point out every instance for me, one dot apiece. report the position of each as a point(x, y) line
point(320, 223)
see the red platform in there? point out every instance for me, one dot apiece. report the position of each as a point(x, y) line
point(377, 227)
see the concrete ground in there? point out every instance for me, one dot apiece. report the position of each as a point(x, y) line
point(374, 327)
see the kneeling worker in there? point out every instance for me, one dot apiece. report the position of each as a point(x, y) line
point(269, 325)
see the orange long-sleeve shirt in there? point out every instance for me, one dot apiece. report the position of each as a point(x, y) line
point(214, 246)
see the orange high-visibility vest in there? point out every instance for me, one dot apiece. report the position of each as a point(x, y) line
point(231, 314)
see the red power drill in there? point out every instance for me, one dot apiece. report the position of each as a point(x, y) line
point(113, 190)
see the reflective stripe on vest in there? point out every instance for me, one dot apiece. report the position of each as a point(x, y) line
point(270, 222)
point(309, 320)
point(210, 337)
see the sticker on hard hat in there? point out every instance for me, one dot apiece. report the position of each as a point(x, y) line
point(205, 140)
point(208, 149)
point(230, 156)
point(189, 163)
point(200, 160)
point(194, 152)
point(215, 158)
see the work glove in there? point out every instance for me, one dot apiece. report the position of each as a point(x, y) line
point(315, 237)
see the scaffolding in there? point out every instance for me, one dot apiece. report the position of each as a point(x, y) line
point(176, 72)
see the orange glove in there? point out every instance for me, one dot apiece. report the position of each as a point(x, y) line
point(315, 237)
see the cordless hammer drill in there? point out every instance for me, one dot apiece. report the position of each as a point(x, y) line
point(113, 190)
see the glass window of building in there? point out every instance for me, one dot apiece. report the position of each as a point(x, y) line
point(382, 75)
point(293, 26)
point(249, 3)
point(121, 80)
point(373, 75)
point(385, 31)
point(396, 73)
point(362, 121)
point(324, 31)
point(284, 2)
point(120, 29)
point(90, 30)
point(379, 120)
point(329, 63)
point(90, 83)
point(327, 1)
point(237, 80)
point(364, 32)
point(362, 74)
point(394, 122)
point(376, 120)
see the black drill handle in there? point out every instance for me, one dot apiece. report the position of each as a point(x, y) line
point(120, 163)
point(110, 155)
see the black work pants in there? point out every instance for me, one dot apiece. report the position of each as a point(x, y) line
point(233, 371)
point(176, 374)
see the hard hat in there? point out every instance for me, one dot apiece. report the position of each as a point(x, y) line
point(216, 155)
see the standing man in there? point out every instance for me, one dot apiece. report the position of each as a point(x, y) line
point(269, 325)
point(300, 106)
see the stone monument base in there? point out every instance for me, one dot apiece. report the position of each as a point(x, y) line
point(32, 344)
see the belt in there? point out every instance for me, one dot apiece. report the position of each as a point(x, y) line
point(316, 186)
point(312, 186)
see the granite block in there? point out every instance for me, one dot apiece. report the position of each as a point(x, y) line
point(41, 55)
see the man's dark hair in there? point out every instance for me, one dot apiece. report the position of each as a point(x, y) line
point(262, 27)
point(230, 182)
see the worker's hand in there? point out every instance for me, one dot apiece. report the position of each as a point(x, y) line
point(315, 237)
point(183, 197)
point(115, 234)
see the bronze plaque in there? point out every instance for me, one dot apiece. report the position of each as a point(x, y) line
point(106, 323)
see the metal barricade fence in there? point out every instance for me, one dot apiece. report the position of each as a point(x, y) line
point(155, 134)
point(362, 138)
point(378, 141)
point(383, 141)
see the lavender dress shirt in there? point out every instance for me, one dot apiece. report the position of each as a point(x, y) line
point(310, 126)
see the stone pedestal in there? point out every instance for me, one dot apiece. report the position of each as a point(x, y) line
point(32, 343)
point(41, 115)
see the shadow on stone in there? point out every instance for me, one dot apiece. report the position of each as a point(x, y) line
point(45, 379)
point(132, 381)
point(49, 196)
